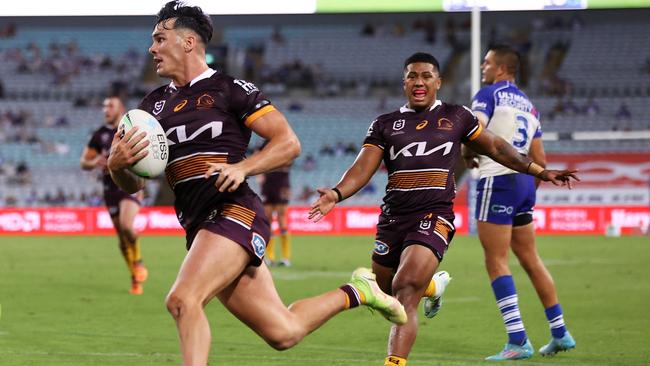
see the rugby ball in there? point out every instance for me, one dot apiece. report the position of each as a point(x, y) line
point(155, 162)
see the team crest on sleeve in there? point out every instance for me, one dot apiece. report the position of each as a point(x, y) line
point(158, 107)
point(247, 86)
point(259, 245)
point(381, 248)
point(399, 124)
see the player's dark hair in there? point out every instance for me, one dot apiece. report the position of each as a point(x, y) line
point(422, 57)
point(506, 55)
point(188, 17)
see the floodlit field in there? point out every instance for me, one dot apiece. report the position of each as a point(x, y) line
point(65, 301)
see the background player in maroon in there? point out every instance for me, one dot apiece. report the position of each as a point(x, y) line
point(276, 192)
point(122, 206)
point(419, 144)
point(208, 118)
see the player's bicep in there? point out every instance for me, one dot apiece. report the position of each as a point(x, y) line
point(484, 143)
point(369, 158)
point(363, 168)
point(272, 125)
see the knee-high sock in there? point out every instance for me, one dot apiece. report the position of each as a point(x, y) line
point(556, 320)
point(508, 303)
point(394, 361)
point(270, 250)
point(135, 247)
point(127, 253)
point(285, 240)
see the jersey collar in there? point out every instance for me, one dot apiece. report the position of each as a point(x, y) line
point(204, 75)
point(405, 107)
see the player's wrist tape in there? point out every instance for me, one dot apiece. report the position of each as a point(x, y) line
point(339, 196)
point(534, 169)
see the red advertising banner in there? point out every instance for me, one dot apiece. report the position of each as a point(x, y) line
point(348, 220)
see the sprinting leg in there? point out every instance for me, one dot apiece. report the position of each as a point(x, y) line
point(283, 327)
point(212, 263)
point(218, 266)
point(409, 283)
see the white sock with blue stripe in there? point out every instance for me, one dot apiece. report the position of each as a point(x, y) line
point(508, 303)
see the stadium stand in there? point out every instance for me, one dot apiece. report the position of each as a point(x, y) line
point(56, 75)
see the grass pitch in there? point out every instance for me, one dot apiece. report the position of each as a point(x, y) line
point(65, 301)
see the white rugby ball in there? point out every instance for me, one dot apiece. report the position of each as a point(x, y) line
point(155, 162)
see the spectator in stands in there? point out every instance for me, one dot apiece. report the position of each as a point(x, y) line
point(368, 30)
point(570, 107)
point(23, 174)
point(60, 199)
point(32, 199)
point(326, 150)
point(351, 149)
point(295, 106)
point(309, 164)
point(591, 108)
point(623, 112)
point(2, 90)
point(11, 201)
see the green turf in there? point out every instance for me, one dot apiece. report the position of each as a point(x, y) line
point(65, 302)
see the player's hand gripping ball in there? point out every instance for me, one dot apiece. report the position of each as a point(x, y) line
point(154, 163)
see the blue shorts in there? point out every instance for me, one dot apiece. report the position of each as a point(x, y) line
point(506, 199)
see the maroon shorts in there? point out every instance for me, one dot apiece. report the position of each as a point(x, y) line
point(276, 188)
point(433, 230)
point(279, 196)
point(112, 200)
point(240, 219)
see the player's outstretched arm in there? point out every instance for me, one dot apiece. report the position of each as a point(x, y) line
point(282, 148)
point(126, 151)
point(357, 176)
point(503, 153)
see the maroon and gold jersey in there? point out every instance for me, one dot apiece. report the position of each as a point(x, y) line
point(420, 152)
point(206, 121)
point(100, 141)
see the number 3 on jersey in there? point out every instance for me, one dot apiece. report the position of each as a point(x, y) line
point(521, 135)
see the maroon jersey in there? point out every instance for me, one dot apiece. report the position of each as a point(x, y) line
point(205, 121)
point(420, 152)
point(101, 142)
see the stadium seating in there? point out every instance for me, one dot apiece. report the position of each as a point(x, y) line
point(602, 63)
